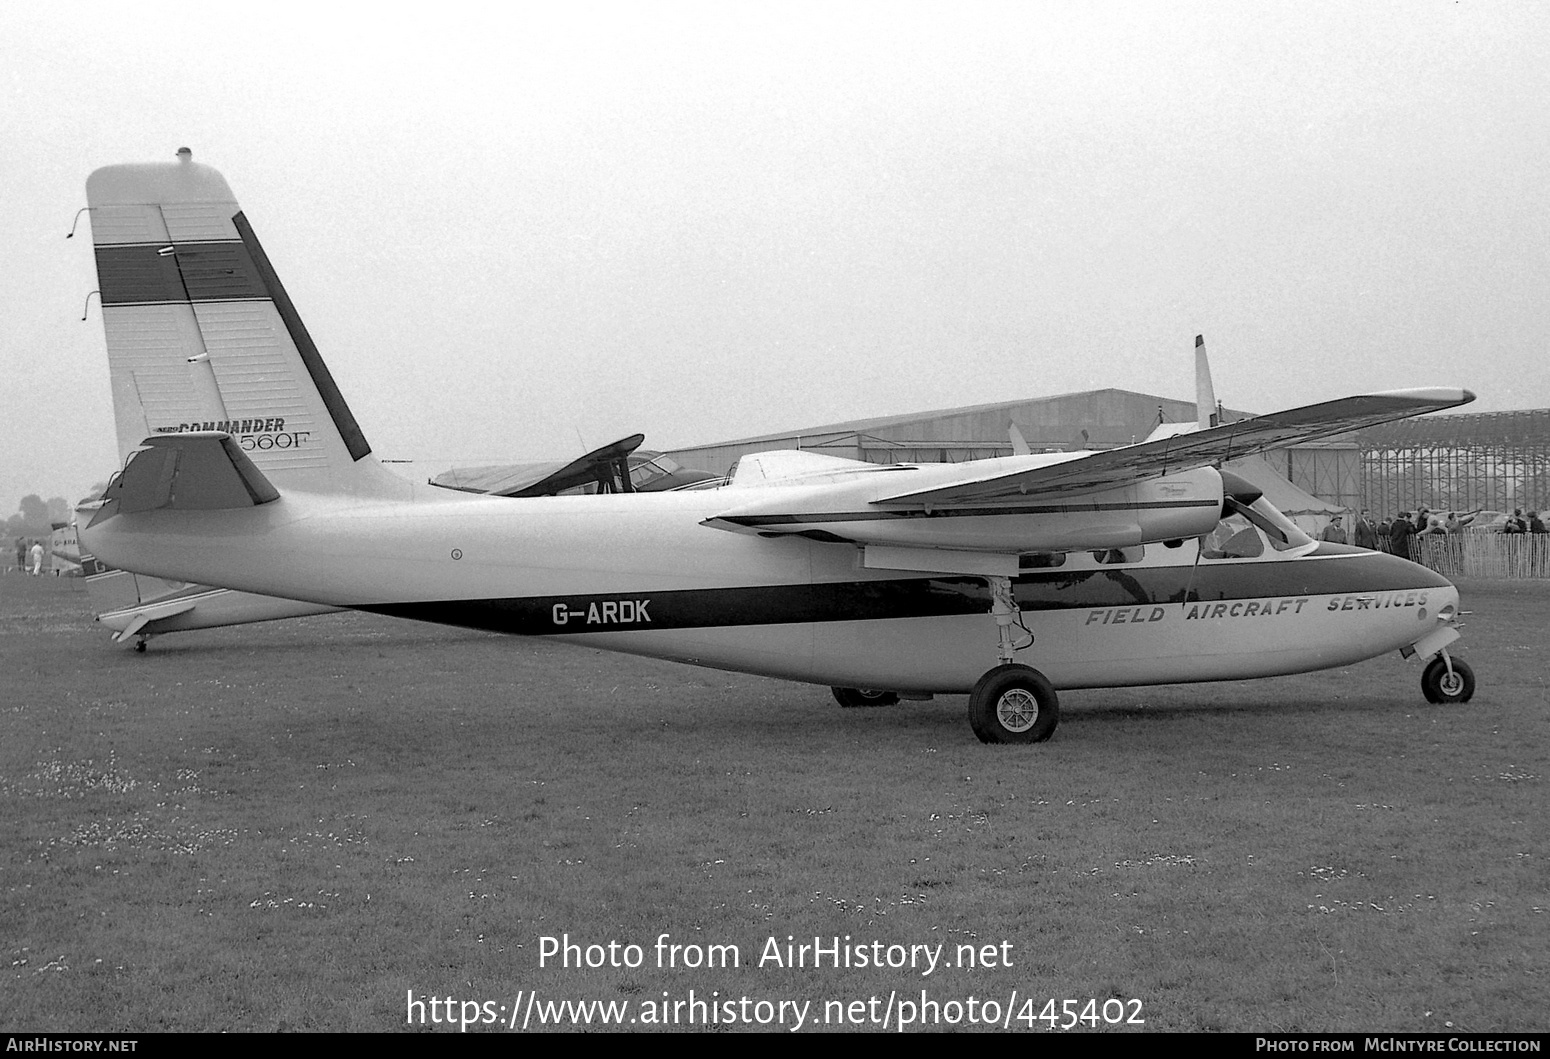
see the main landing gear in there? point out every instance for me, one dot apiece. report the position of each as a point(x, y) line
point(1012, 703)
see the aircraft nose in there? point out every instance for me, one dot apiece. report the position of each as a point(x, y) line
point(1415, 574)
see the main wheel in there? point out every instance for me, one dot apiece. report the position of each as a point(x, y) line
point(1013, 704)
point(1438, 685)
point(851, 697)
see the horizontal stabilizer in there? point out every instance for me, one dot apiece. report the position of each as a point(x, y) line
point(142, 618)
point(194, 471)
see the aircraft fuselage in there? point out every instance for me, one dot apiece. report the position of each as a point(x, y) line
point(640, 574)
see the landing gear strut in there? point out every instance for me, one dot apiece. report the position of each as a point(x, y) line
point(1011, 703)
point(1003, 604)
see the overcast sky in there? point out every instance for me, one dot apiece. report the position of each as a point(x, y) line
point(515, 233)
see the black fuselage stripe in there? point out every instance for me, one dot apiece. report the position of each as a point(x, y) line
point(958, 512)
point(919, 597)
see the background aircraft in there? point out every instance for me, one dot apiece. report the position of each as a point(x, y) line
point(1136, 565)
point(622, 467)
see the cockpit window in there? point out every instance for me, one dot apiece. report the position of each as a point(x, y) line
point(1245, 529)
point(1281, 531)
point(1234, 538)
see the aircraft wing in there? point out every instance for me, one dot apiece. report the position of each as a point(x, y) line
point(1170, 455)
point(945, 516)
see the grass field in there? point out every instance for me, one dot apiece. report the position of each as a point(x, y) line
point(297, 824)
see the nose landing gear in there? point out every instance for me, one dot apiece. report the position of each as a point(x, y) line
point(1447, 679)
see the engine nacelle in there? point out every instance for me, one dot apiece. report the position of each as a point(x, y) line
point(1181, 505)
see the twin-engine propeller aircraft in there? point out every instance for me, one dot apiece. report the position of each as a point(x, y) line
point(1137, 565)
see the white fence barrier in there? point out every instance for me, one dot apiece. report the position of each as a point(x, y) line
point(1503, 555)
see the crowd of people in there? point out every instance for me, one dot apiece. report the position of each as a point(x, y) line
point(1396, 535)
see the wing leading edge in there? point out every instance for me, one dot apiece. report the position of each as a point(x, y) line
point(1171, 455)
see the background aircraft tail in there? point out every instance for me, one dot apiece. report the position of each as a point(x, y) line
point(202, 336)
point(1206, 412)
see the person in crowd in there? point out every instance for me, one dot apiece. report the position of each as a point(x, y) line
point(1364, 534)
point(1516, 522)
point(1453, 523)
point(1385, 528)
point(1334, 532)
point(1535, 523)
point(1399, 535)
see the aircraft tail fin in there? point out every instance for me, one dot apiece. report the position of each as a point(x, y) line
point(1208, 413)
point(202, 336)
point(1205, 395)
point(1019, 443)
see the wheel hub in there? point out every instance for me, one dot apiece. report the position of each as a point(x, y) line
point(1017, 710)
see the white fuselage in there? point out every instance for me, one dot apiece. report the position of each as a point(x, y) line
point(639, 573)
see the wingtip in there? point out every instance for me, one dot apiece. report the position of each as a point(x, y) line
point(1441, 396)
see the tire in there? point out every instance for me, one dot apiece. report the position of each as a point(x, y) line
point(1013, 704)
point(853, 697)
point(1438, 687)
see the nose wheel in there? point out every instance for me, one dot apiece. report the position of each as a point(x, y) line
point(1447, 679)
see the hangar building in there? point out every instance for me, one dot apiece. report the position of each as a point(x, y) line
point(1492, 460)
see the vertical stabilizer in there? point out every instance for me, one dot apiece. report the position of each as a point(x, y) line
point(1019, 443)
point(201, 335)
point(1205, 395)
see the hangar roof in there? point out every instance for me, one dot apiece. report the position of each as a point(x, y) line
point(1530, 427)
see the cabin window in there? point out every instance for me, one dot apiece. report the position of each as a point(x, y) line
point(1041, 560)
point(1116, 556)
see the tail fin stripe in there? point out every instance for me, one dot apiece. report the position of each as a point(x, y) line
point(145, 274)
point(333, 400)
